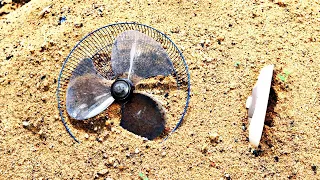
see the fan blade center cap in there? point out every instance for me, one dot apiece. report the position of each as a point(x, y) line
point(121, 89)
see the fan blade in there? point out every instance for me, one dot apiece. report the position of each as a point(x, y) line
point(88, 93)
point(140, 56)
point(143, 116)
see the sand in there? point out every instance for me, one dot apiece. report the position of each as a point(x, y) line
point(225, 44)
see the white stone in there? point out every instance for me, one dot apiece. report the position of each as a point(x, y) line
point(257, 104)
point(25, 123)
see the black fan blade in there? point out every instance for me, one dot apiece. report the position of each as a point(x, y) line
point(140, 56)
point(88, 93)
point(143, 116)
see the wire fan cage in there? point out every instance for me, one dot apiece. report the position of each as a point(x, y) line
point(97, 46)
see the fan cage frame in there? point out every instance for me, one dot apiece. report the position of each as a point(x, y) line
point(121, 27)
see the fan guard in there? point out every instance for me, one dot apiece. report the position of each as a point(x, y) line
point(97, 45)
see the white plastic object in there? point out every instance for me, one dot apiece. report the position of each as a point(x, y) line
point(257, 104)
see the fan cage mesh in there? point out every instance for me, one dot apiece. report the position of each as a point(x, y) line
point(97, 45)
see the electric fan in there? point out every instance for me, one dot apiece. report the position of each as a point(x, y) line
point(129, 66)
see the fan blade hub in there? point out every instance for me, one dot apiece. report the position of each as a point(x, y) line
point(122, 89)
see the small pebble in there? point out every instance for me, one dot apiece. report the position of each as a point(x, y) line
point(25, 124)
point(64, 9)
point(111, 160)
point(163, 154)
point(56, 117)
point(103, 172)
point(227, 176)
point(214, 137)
point(256, 153)
point(220, 38)
point(314, 168)
point(44, 99)
point(78, 25)
point(99, 139)
point(105, 135)
point(175, 30)
point(204, 148)
point(136, 151)
point(40, 132)
point(108, 125)
point(148, 169)
point(9, 57)
point(96, 176)
point(191, 133)
point(116, 163)
point(202, 41)
point(105, 155)
point(243, 127)
point(86, 136)
point(100, 10)
point(208, 41)
point(45, 11)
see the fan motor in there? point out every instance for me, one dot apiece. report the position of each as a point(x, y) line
point(121, 89)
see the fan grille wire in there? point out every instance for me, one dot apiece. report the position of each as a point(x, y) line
point(97, 45)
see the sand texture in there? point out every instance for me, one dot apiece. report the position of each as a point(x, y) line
point(225, 43)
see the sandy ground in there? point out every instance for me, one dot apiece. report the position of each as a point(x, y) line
point(225, 43)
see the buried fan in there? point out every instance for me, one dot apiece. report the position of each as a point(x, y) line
point(129, 64)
